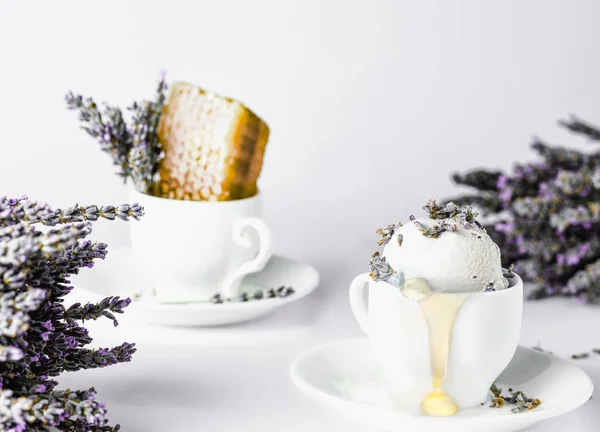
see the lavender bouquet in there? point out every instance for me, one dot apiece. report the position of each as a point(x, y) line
point(546, 216)
point(133, 146)
point(39, 337)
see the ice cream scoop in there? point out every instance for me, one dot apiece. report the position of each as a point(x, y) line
point(450, 256)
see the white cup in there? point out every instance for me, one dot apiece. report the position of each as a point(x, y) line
point(484, 339)
point(190, 250)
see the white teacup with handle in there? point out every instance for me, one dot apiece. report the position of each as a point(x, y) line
point(190, 250)
point(484, 338)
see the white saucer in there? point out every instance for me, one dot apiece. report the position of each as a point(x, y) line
point(342, 375)
point(114, 276)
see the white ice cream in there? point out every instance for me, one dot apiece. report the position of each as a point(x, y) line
point(466, 260)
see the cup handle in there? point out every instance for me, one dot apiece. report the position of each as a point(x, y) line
point(357, 300)
point(231, 285)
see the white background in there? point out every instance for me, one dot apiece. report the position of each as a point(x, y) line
point(371, 105)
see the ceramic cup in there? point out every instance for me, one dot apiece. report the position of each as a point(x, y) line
point(190, 250)
point(483, 341)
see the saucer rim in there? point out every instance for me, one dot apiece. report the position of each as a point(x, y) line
point(268, 303)
point(525, 417)
point(275, 301)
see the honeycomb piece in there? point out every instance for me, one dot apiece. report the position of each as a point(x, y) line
point(214, 146)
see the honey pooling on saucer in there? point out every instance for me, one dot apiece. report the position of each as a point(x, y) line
point(213, 145)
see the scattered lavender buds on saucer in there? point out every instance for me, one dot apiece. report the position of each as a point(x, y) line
point(39, 337)
point(280, 292)
point(538, 347)
point(585, 355)
point(522, 403)
point(546, 216)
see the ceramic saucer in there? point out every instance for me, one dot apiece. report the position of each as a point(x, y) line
point(114, 276)
point(342, 375)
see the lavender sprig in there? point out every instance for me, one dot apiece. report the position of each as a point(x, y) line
point(98, 358)
point(146, 152)
point(482, 179)
point(107, 127)
point(39, 337)
point(134, 147)
point(581, 127)
point(547, 216)
point(80, 255)
point(90, 311)
point(22, 210)
point(70, 411)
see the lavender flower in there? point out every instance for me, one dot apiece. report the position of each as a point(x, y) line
point(14, 211)
point(547, 216)
point(107, 308)
point(387, 233)
point(146, 152)
point(65, 410)
point(578, 126)
point(448, 215)
point(134, 147)
point(98, 358)
point(107, 126)
point(382, 271)
point(39, 337)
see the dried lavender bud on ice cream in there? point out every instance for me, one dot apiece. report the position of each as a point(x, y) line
point(386, 233)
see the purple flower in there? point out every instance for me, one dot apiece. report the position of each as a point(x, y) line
point(71, 342)
point(39, 337)
point(502, 182)
point(40, 388)
point(505, 195)
point(504, 226)
point(547, 215)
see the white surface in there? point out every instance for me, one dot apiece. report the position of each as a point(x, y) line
point(401, 338)
point(206, 248)
point(371, 106)
point(466, 259)
point(114, 277)
point(228, 379)
point(342, 375)
point(236, 378)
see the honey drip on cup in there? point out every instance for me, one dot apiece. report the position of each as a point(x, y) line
point(440, 310)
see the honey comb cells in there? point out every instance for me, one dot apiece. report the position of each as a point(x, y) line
point(214, 147)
